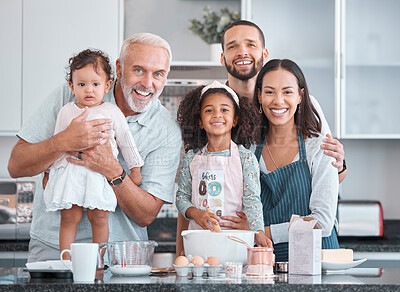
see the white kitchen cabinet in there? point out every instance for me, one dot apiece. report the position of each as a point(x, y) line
point(371, 69)
point(53, 31)
point(303, 31)
point(10, 69)
point(349, 53)
point(170, 20)
point(41, 36)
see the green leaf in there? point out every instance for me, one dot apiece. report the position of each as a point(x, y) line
point(212, 25)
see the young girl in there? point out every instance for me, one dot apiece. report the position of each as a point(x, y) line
point(71, 188)
point(215, 171)
point(296, 176)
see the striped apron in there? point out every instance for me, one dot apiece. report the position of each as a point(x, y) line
point(287, 191)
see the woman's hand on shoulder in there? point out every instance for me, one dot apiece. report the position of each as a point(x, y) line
point(239, 222)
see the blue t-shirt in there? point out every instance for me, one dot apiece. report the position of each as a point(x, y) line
point(158, 139)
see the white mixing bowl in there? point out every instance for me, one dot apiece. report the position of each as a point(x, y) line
point(205, 243)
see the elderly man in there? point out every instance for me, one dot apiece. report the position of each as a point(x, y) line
point(141, 75)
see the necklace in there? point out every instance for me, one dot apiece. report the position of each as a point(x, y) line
point(273, 160)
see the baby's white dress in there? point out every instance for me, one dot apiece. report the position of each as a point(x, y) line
point(71, 184)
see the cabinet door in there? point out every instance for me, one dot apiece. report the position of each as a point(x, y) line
point(303, 31)
point(54, 31)
point(372, 69)
point(10, 60)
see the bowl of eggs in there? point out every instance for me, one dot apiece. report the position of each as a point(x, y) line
point(207, 244)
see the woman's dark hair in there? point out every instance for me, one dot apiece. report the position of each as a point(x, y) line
point(97, 58)
point(188, 116)
point(306, 118)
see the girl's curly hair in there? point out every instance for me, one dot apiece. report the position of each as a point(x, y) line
point(246, 131)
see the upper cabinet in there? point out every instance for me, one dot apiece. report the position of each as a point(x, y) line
point(349, 53)
point(41, 36)
point(170, 20)
point(11, 65)
point(303, 31)
point(370, 69)
point(55, 30)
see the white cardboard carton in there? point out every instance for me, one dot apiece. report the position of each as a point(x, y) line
point(305, 242)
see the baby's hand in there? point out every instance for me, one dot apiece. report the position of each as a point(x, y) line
point(263, 240)
point(202, 218)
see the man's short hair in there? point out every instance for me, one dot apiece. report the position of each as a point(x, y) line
point(245, 23)
point(147, 39)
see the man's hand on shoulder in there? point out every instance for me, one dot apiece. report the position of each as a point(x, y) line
point(334, 148)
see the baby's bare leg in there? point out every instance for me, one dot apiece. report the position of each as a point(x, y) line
point(68, 226)
point(99, 221)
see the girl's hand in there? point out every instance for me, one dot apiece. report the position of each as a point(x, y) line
point(202, 218)
point(263, 240)
point(239, 222)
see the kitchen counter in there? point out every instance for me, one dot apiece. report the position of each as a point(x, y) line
point(15, 279)
point(9, 245)
point(163, 230)
point(390, 242)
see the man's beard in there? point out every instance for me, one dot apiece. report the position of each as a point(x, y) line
point(257, 65)
point(138, 106)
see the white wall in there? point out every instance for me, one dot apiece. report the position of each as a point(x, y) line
point(374, 168)
point(6, 144)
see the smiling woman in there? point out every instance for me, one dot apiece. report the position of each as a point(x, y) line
point(296, 176)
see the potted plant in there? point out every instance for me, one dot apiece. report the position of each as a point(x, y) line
point(211, 27)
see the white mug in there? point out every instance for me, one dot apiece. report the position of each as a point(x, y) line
point(84, 258)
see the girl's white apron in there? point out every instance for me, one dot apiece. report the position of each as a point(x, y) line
point(217, 181)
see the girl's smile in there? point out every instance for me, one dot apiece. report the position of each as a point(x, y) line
point(217, 115)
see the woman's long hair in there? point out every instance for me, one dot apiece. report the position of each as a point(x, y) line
point(306, 117)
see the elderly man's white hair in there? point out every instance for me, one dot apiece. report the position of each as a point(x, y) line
point(147, 39)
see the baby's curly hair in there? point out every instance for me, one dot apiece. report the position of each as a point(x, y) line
point(246, 131)
point(97, 58)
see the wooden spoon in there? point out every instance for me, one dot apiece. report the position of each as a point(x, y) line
point(216, 227)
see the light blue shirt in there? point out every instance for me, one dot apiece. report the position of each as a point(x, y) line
point(158, 139)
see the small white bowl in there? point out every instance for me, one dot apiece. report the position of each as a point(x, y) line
point(182, 271)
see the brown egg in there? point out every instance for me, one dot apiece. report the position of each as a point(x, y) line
point(181, 261)
point(213, 261)
point(197, 261)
